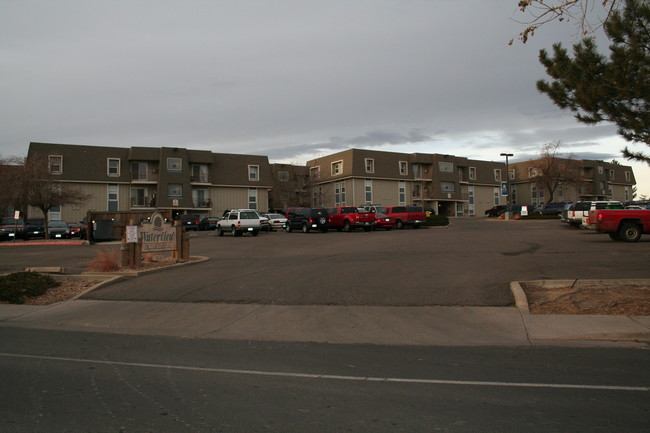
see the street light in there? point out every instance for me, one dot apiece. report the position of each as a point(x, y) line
point(507, 183)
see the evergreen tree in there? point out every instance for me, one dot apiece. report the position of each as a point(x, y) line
point(614, 89)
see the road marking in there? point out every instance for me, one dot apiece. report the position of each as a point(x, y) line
point(334, 376)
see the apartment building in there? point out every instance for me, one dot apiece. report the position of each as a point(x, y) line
point(581, 179)
point(168, 178)
point(449, 185)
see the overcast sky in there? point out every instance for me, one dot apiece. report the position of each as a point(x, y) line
point(292, 80)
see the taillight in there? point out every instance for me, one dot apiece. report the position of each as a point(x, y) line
point(600, 217)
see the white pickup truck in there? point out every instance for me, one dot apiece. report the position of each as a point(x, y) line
point(238, 222)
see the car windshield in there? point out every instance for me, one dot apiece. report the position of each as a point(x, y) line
point(6, 221)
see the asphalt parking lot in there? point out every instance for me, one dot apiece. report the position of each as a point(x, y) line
point(469, 263)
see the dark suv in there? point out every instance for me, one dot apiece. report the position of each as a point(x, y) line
point(190, 222)
point(307, 219)
point(11, 228)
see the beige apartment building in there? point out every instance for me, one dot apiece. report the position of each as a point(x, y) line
point(180, 180)
point(581, 179)
point(448, 185)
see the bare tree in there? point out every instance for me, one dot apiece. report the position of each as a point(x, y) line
point(552, 171)
point(10, 195)
point(40, 189)
point(588, 15)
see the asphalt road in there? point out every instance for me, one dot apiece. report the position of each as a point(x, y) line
point(55, 381)
point(470, 263)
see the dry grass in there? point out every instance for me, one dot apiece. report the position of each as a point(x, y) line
point(105, 261)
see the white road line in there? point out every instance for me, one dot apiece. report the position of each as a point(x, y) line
point(335, 376)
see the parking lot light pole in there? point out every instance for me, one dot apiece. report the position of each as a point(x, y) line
point(507, 185)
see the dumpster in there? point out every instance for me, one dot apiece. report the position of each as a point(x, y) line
point(103, 229)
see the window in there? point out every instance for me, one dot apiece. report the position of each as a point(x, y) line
point(55, 163)
point(600, 169)
point(448, 187)
point(511, 174)
point(497, 194)
point(314, 172)
point(200, 198)
point(446, 167)
point(513, 193)
point(138, 197)
point(470, 193)
point(472, 173)
point(611, 174)
point(370, 165)
point(403, 168)
point(317, 198)
point(254, 173)
point(113, 198)
point(417, 190)
point(497, 174)
point(337, 168)
point(628, 176)
point(200, 173)
point(174, 164)
point(113, 166)
point(175, 190)
point(339, 193)
point(627, 194)
point(252, 198)
point(139, 171)
point(283, 176)
point(54, 213)
point(368, 188)
point(417, 170)
point(402, 192)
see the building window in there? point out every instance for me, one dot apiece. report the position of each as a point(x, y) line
point(611, 174)
point(337, 168)
point(497, 174)
point(628, 176)
point(511, 174)
point(139, 197)
point(253, 173)
point(368, 189)
point(470, 193)
point(446, 167)
point(513, 194)
point(283, 176)
point(339, 193)
point(113, 198)
point(200, 198)
point(139, 171)
point(370, 165)
point(448, 187)
point(200, 173)
point(497, 194)
point(601, 170)
point(175, 190)
point(403, 168)
point(174, 164)
point(402, 193)
point(472, 173)
point(627, 194)
point(252, 198)
point(417, 190)
point(113, 167)
point(317, 198)
point(417, 171)
point(55, 163)
point(314, 172)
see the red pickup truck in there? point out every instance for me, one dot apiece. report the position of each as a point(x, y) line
point(347, 218)
point(621, 224)
point(413, 216)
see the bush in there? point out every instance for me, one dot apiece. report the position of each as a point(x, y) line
point(437, 220)
point(14, 288)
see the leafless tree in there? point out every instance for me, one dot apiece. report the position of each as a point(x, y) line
point(551, 170)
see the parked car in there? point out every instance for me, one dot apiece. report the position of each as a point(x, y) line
point(347, 218)
point(494, 210)
point(551, 209)
point(564, 216)
point(58, 229)
point(75, 230)
point(238, 222)
point(190, 222)
point(579, 215)
point(265, 225)
point(413, 216)
point(34, 228)
point(276, 220)
point(384, 221)
point(208, 223)
point(307, 219)
point(621, 224)
point(12, 228)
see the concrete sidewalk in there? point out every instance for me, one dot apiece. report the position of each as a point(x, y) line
point(429, 326)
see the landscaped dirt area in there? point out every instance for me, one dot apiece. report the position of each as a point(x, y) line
point(632, 300)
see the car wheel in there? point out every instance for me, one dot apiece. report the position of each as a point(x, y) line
point(399, 225)
point(288, 228)
point(219, 231)
point(629, 232)
point(233, 231)
point(346, 226)
point(305, 228)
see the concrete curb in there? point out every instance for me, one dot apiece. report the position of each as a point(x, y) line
point(42, 243)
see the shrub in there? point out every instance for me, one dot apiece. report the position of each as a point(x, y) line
point(437, 220)
point(14, 288)
point(105, 261)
